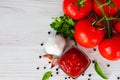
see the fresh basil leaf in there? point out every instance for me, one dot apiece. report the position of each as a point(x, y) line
point(47, 75)
point(99, 71)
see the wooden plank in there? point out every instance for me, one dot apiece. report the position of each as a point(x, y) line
point(24, 25)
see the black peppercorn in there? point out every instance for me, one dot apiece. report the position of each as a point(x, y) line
point(49, 62)
point(118, 78)
point(108, 65)
point(88, 78)
point(83, 74)
point(41, 44)
point(57, 72)
point(44, 67)
point(51, 75)
point(37, 68)
point(65, 77)
point(40, 57)
point(49, 32)
point(56, 69)
point(94, 49)
point(89, 75)
point(69, 77)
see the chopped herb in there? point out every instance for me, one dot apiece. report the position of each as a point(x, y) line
point(99, 71)
point(47, 75)
point(64, 25)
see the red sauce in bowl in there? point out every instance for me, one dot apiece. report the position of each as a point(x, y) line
point(74, 62)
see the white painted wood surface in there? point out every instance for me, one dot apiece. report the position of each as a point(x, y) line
point(23, 27)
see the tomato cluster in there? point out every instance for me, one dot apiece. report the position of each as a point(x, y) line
point(102, 28)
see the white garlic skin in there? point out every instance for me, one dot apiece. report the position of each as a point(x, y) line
point(55, 45)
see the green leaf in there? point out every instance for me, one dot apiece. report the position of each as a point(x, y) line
point(70, 21)
point(99, 71)
point(64, 26)
point(47, 75)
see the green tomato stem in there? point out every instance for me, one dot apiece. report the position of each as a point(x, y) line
point(106, 3)
point(105, 16)
point(98, 21)
point(112, 19)
point(101, 5)
point(80, 3)
point(109, 29)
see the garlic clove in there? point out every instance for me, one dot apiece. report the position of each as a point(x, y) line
point(54, 62)
point(55, 45)
point(48, 57)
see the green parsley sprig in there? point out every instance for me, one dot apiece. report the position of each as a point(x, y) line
point(64, 25)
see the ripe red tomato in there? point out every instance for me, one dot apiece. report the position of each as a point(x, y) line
point(87, 35)
point(117, 27)
point(71, 9)
point(74, 62)
point(109, 10)
point(110, 48)
point(117, 3)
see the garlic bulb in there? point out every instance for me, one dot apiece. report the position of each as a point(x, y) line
point(55, 45)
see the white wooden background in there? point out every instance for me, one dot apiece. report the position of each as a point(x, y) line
point(23, 27)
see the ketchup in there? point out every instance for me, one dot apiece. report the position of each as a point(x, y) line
point(74, 62)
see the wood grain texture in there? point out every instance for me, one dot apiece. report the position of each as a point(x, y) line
point(23, 27)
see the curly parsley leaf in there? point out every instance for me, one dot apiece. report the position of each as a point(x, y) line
point(64, 25)
point(99, 71)
point(47, 75)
